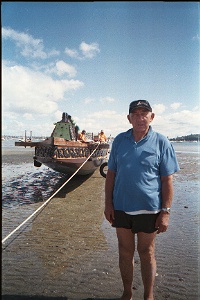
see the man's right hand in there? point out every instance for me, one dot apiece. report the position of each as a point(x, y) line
point(109, 214)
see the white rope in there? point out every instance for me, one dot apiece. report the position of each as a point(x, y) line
point(47, 201)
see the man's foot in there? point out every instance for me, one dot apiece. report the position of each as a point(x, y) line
point(126, 296)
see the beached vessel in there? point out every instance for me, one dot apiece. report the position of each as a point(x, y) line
point(64, 153)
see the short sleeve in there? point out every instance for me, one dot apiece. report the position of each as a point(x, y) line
point(169, 163)
point(112, 159)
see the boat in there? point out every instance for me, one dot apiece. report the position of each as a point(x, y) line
point(25, 140)
point(63, 152)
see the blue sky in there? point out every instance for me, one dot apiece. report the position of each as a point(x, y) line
point(91, 59)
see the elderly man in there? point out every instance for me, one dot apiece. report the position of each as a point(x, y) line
point(138, 194)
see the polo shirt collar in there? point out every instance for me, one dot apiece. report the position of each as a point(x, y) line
point(129, 135)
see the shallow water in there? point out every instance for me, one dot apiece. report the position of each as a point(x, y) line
point(25, 184)
point(187, 147)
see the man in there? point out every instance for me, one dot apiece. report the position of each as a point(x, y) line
point(138, 194)
point(81, 136)
point(102, 137)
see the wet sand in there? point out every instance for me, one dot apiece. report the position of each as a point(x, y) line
point(69, 251)
point(18, 155)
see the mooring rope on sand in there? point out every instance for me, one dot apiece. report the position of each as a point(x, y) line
point(47, 201)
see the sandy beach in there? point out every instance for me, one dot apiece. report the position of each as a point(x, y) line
point(69, 251)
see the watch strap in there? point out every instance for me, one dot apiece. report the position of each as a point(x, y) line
point(166, 209)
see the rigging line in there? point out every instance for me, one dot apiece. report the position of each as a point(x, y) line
point(47, 201)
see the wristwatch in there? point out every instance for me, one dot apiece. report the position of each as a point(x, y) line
point(166, 209)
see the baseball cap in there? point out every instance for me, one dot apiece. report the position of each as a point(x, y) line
point(139, 104)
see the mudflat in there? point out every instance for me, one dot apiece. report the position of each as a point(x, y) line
point(69, 251)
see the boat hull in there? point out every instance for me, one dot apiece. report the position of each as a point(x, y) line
point(68, 157)
point(72, 157)
point(70, 167)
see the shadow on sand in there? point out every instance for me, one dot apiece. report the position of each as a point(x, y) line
point(74, 183)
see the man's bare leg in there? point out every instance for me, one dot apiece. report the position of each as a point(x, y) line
point(126, 244)
point(146, 250)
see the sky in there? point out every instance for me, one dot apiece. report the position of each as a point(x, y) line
point(91, 59)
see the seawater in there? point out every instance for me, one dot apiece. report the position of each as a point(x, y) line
point(186, 147)
point(22, 183)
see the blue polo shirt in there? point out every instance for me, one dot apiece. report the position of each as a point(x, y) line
point(139, 167)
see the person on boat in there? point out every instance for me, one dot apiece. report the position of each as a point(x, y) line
point(71, 120)
point(102, 137)
point(81, 136)
point(138, 194)
point(64, 118)
point(76, 128)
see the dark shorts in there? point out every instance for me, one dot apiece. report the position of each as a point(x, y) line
point(137, 223)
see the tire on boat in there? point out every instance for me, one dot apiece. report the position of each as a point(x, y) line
point(103, 169)
point(37, 163)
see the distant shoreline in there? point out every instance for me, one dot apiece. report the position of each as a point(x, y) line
point(184, 138)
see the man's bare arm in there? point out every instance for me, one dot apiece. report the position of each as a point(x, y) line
point(109, 187)
point(162, 221)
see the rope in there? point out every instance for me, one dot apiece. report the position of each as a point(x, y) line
point(47, 201)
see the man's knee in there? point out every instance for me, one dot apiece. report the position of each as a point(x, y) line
point(146, 244)
point(147, 251)
point(126, 242)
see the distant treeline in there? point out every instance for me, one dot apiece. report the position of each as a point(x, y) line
point(187, 138)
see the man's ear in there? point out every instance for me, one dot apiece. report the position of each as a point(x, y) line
point(128, 117)
point(152, 116)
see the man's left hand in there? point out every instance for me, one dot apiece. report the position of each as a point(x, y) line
point(162, 222)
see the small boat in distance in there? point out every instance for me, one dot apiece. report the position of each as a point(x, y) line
point(23, 140)
point(64, 153)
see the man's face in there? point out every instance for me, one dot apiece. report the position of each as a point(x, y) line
point(140, 119)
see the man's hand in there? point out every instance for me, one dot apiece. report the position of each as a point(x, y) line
point(109, 214)
point(162, 222)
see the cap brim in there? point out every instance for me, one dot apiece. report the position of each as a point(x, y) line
point(140, 106)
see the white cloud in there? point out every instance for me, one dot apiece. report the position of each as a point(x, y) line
point(62, 68)
point(176, 124)
point(89, 50)
point(72, 52)
point(107, 100)
point(29, 47)
point(65, 68)
point(88, 100)
point(108, 120)
point(170, 124)
point(53, 52)
point(25, 90)
point(28, 116)
point(196, 38)
point(57, 115)
point(158, 108)
point(104, 114)
point(175, 105)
